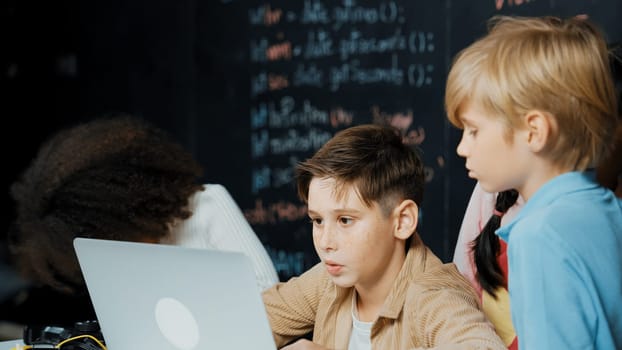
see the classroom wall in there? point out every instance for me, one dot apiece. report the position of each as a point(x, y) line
point(252, 87)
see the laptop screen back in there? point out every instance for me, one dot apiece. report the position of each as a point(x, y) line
point(154, 296)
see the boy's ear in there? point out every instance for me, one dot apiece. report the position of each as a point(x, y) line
point(540, 127)
point(407, 215)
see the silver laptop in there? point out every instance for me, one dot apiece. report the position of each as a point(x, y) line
point(154, 296)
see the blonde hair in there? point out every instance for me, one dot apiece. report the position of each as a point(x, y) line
point(559, 67)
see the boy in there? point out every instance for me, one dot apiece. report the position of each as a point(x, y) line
point(538, 107)
point(377, 285)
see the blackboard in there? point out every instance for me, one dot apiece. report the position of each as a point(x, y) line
point(296, 72)
point(252, 87)
point(310, 68)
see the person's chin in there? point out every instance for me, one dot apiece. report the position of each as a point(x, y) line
point(342, 281)
point(486, 186)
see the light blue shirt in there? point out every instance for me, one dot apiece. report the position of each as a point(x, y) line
point(565, 266)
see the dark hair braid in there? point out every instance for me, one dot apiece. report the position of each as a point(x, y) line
point(486, 245)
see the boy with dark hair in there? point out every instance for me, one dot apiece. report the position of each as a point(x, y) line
point(377, 285)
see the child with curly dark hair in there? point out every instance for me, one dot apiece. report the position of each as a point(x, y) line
point(119, 178)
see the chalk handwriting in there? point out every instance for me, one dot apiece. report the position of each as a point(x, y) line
point(273, 177)
point(259, 84)
point(308, 75)
point(257, 50)
point(272, 16)
point(350, 13)
point(420, 42)
point(353, 72)
point(280, 51)
point(420, 74)
point(285, 176)
point(286, 114)
point(402, 122)
point(260, 179)
point(265, 15)
point(318, 12)
point(321, 43)
point(299, 141)
point(287, 263)
point(277, 81)
point(281, 211)
point(259, 141)
point(499, 3)
point(357, 44)
point(314, 12)
point(340, 117)
point(339, 48)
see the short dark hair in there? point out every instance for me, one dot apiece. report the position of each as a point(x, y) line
point(374, 159)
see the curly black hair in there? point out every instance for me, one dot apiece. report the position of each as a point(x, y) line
point(117, 178)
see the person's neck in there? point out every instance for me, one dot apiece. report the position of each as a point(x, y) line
point(370, 298)
point(541, 174)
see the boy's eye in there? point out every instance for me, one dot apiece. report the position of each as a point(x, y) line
point(345, 220)
point(471, 131)
point(315, 221)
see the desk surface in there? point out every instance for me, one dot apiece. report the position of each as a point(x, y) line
point(9, 344)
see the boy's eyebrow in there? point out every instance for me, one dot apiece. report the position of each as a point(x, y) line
point(466, 121)
point(346, 210)
point(337, 211)
point(311, 212)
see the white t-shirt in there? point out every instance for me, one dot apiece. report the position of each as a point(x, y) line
point(218, 223)
point(360, 339)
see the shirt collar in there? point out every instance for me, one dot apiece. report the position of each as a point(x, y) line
point(549, 192)
point(414, 264)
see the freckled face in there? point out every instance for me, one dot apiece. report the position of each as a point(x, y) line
point(355, 242)
point(496, 162)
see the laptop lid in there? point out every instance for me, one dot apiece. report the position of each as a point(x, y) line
point(155, 296)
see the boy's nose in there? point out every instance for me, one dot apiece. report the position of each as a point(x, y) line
point(326, 241)
point(462, 149)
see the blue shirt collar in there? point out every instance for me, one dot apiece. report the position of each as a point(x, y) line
point(547, 193)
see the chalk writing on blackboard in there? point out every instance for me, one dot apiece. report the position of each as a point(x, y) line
point(499, 3)
point(280, 211)
point(319, 66)
point(401, 121)
point(287, 263)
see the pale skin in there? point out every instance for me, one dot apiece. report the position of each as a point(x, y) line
point(499, 163)
point(361, 246)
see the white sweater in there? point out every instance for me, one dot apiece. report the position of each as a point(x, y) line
point(218, 223)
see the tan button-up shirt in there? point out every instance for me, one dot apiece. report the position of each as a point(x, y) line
point(430, 306)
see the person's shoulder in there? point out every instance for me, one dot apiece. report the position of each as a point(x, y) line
point(212, 193)
point(435, 275)
point(443, 276)
point(567, 216)
point(213, 189)
point(558, 232)
point(441, 287)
